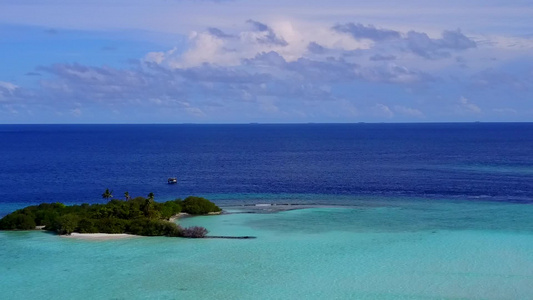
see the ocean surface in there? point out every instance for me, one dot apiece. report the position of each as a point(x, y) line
point(340, 211)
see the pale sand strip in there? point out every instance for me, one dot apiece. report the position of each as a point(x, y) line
point(178, 216)
point(99, 236)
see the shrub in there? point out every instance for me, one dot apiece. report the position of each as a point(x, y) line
point(86, 226)
point(194, 232)
point(46, 217)
point(66, 224)
point(149, 227)
point(168, 209)
point(198, 206)
point(17, 220)
point(111, 225)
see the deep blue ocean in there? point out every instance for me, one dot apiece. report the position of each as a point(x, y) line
point(319, 163)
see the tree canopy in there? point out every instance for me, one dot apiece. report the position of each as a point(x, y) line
point(139, 216)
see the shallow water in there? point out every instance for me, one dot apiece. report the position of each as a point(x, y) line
point(409, 250)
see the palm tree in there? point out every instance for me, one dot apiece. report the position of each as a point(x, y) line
point(127, 196)
point(107, 194)
point(148, 206)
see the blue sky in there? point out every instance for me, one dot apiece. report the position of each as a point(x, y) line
point(274, 61)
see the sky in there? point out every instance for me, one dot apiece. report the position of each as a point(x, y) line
point(290, 61)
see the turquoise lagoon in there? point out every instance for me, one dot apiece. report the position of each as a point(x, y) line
point(404, 249)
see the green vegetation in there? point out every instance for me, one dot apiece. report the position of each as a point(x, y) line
point(139, 216)
point(198, 206)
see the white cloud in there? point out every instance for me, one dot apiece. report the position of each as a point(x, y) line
point(8, 86)
point(195, 111)
point(206, 48)
point(158, 57)
point(192, 110)
point(7, 91)
point(288, 39)
point(465, 106)
point(407, 111)
point(281, 65)
point(382, 110)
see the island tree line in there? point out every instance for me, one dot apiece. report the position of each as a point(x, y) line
point(139, 216)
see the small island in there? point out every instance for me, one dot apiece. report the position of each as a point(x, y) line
point(136, 216)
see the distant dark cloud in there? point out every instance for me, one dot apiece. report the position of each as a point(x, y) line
point(269, 36)
point(315, 48)
point(359, 31)
point(421, 44)
point(416, 42)
point(258, 25)
point(219, 33)
point(456, 40)
point(33, 74)
point(270, 58)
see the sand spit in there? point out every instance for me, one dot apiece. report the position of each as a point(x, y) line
point(178, 216)
point(186, 215)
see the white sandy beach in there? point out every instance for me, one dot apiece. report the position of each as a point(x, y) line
point(98, 236)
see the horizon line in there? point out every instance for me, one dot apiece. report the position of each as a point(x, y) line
point(281, 123)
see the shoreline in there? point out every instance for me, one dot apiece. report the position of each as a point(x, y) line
point(183, 215)
point(99, 236)
point(117, 236)
point(176, 217)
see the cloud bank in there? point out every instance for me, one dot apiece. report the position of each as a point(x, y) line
point(284, 70)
